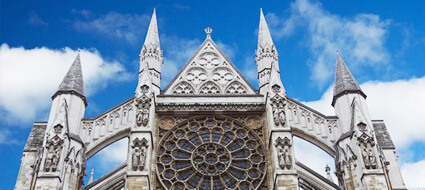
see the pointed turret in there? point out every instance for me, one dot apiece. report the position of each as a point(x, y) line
point(265, 55)
point(152, 36)
point(344, 81)
point(264, 37)
point(151, 54)
point(73, 83)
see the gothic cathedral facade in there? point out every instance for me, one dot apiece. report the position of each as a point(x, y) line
point(210, 129)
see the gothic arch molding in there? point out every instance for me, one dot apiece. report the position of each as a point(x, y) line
point(314, 141)
point(92, 150)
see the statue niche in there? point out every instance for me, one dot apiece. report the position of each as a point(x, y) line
point(138, 157)
point(54, 150)
point(143, 104)
point(278, 108)
point(284, 153)
point(366, 145)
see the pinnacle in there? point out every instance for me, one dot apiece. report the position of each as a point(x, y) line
point(152, 36)
point(264, 37)
point(344, 80)
point(73, 80)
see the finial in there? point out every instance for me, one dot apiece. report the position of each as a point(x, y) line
point(208, 30)
point(337, 53)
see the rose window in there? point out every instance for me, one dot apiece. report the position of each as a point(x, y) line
point(211, 153)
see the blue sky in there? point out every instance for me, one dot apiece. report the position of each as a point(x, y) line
point(382, 42)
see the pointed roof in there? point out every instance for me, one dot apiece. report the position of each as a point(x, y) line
point(209, 72)
point(152, 36)
point(73, 81)
point(264, 37)
point(344, 81)
point(275, 79)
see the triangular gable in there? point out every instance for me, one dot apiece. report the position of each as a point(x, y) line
point(209, 72)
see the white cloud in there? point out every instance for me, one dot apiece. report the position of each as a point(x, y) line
point(360, 38)
point(399, 103)
point(29, 77)
point(304, 151)
point(414, 174)
point(128, 27)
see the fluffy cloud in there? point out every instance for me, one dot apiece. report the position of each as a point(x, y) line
point(361, 37)
point(113, 24)
point(29, 77)
point(399, 103)
point(304, 151)
point(414, 173)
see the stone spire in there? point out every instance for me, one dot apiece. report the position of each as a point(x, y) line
point(73, 81)
point(264, 37)
point(344, 81)
point(151, 54)
point(144, 83)
point(265, 55)
point(152, 36)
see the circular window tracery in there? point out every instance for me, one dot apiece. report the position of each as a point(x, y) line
point(211, 153)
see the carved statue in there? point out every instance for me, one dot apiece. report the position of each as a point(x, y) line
point(139, 155)
point(143, 105)
point(142, 159)
point(287, 158)
point(49, 157)
point(52, 158)
point(135, 158)
point(278, 107)
point(284, 153)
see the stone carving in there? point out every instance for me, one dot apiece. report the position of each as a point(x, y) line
point(253, 122)
point(183, 88)
point(209, 88)
point(222, 75)
point(139, 154)
point(366, 145)
point(284, 153)
point(362, 127)
point(209, 60)
point(166, 122)
point(236, 88)
point(278, 104)
point(143, 104)
point(54, 150)
point(196, 75)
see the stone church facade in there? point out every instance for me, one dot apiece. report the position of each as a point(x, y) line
point(210, 129)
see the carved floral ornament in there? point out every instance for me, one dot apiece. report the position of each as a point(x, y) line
point(138, 157)
point(205, 152)
point(284, 155)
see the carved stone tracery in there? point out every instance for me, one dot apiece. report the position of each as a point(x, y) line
point(210, 152)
